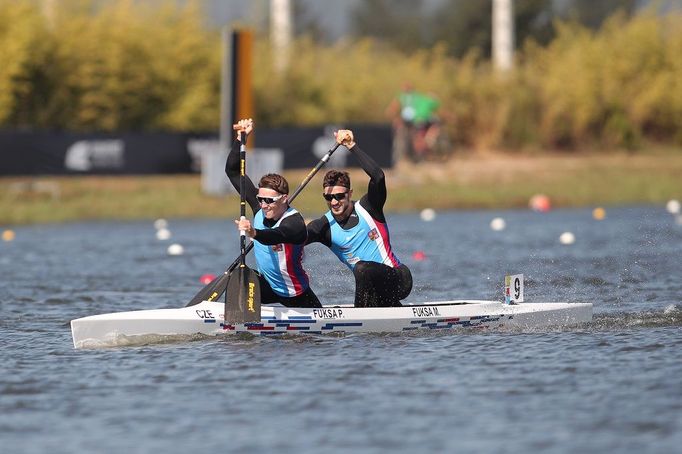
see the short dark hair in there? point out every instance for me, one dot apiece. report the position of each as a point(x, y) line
point(275, 182)
point(336, 178)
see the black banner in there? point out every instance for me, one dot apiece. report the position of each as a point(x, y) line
point(54, 153)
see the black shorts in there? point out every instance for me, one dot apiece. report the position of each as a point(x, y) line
point(379, 285)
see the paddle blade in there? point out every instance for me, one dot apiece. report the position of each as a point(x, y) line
point(211, 291)
point(242, 304)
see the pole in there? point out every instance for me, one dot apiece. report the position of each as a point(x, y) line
point(280, 33)
point(503, 35)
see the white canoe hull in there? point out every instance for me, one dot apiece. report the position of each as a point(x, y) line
point(206, 318)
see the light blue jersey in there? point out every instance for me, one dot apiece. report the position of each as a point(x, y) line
point(280, 264)
point(369, 240)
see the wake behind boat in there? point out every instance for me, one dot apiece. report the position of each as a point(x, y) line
point(147, 326)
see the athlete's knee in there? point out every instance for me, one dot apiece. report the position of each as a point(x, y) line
point(405, 281)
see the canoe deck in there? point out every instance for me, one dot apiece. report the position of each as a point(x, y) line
point(141, 327)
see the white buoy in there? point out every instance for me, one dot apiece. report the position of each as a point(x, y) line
point(163, 234)
point(498, 224)
point(175, 249)
point(567, 238)
point(673, 206)
point(160, 224)
point(428, 214)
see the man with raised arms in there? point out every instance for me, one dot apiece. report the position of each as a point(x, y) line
point(278, 231)
point(357, 232)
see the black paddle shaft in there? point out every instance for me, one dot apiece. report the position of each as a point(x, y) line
point(242, 294)
point(242, 198)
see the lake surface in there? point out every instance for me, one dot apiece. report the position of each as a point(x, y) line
point(614, 385)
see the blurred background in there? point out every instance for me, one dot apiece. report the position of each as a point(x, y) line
point(123, 87)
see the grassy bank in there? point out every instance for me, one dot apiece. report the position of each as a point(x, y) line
point(488, 181)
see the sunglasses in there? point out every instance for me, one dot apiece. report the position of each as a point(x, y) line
point(269, 200)
point(339, 196)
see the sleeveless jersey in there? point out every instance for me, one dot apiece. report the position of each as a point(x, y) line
point(368, 240)
point(280, 264)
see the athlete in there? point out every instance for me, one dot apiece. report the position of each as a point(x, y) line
point(278, 231)
point(415, 118)
point(357, 233)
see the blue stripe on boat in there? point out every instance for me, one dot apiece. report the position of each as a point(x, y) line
point(338, 325)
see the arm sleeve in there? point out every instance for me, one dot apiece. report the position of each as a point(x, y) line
point(376, 190)
point(233, 172)
point(292, 230)
point(319, 232)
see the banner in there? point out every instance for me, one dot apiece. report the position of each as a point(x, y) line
point(54, 153)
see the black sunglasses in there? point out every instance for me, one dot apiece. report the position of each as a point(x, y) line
point(269, 200)
point(338, 196)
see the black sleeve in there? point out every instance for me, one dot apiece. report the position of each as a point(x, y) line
point(291, 230)
point(319, 232)
point(376, 195)
point(233, 172)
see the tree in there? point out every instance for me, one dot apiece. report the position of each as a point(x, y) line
point(592, 14)
point(397, 22)
point(464, 25)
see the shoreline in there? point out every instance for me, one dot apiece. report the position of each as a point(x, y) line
point(466, 181)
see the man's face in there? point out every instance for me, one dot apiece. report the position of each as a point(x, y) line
point(275, 204)
point(338, 199)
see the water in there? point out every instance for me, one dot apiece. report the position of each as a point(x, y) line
point(615, 385)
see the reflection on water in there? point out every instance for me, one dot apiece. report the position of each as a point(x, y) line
point(613, 384)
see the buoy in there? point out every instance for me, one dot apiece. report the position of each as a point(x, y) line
point(206, 278)
point(163, 234)
point(567, 238)
point(418, 256)
point(599, 213)
point(498, 224)
point(428, 214)
point(540, 203)
point(160, 224)
point(175, 249)
point(8, 235)
point(673, 206)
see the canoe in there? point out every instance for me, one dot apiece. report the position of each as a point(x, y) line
point(206, 318)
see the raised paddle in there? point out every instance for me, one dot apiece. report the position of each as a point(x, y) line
point(242, 299)
point(214, 289)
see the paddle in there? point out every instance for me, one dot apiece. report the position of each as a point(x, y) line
point(214, 289)
point(242, 299)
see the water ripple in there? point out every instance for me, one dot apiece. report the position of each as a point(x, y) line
point(615, 381)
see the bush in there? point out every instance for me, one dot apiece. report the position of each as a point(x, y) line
point(131, 66)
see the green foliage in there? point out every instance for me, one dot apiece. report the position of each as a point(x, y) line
point(612, 87)
point(120, 66)
point(24, 52)
point(129, 65)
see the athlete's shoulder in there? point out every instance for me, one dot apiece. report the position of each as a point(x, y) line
point(319, 222)
point(365, 203)
point(293, 218)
